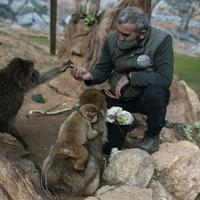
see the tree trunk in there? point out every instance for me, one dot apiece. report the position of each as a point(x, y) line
point(83, 43)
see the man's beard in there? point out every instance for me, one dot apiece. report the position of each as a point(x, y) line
point(125, 45)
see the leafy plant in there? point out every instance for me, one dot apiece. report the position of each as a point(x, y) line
point(187, 131)
point(197, 127)
point(89, 20)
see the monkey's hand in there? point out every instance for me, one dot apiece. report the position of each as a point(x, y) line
point(66, 64)
point(122, 83)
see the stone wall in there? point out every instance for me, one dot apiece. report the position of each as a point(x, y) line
point(32, 14)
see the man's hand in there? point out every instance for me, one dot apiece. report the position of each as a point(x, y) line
point(81, 73)
point(123, 81)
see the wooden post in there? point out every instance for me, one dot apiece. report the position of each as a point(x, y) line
point(53, 22)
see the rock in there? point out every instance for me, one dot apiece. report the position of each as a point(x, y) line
point(10, 147)
point(168, 135)
point(17, 183)
point(123, 192)
point(177, 168)
point(30, 169)
point(25, 20)
point(3, 194)
point(37, 19)
point(46, 19)
point(27, 9)
point(159, 192)
point(4, 2)
point(5, 14)
point(133, 167)
point(16, 6)
point(41, 6)
point(185, 101)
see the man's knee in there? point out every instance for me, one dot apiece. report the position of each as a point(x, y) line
point(156, 94)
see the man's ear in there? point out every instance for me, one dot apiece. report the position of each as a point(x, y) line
point(142, 34)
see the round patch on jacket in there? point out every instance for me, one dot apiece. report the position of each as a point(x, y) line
point(143, 60)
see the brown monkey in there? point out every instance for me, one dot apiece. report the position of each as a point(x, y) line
point(96, 97)
point(60, 177)
point(59, 173)
point(15, 79)
point(74, 133)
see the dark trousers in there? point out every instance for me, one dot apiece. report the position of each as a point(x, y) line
point(153, 103)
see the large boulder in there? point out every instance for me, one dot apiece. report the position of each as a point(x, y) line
point(177, 168)
point(125, 192)
point(184, 106)
point(159, 191)
point(133, 167)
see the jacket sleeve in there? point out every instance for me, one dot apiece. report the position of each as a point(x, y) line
point(101, 71)
point(163, 63)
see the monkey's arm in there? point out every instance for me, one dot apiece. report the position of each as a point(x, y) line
point(51, 73)
point(91, 134)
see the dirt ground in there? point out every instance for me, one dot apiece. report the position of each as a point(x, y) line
point(40, 131)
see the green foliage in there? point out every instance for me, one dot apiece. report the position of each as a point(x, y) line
point(197, 127)
point(89, 20)
point(188, 69)
point(186, 132)
point(189, 132)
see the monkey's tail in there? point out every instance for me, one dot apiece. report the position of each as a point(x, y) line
point(46, 166)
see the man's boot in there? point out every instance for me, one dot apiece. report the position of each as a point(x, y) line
point(150, 143)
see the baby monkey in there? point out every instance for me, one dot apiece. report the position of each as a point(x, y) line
point(74, 132)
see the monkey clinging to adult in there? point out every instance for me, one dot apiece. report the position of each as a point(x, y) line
point(74, 132)
point(72, 166)
point(15, 80)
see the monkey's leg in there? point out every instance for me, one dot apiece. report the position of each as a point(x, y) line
point(84, 183)
point(81, 156)
point(9, 126)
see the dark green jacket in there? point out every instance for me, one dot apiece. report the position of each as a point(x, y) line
point(149, 64)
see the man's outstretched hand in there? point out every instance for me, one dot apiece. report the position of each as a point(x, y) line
point(81, 73)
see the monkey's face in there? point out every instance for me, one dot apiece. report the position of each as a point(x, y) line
point(23, 73)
